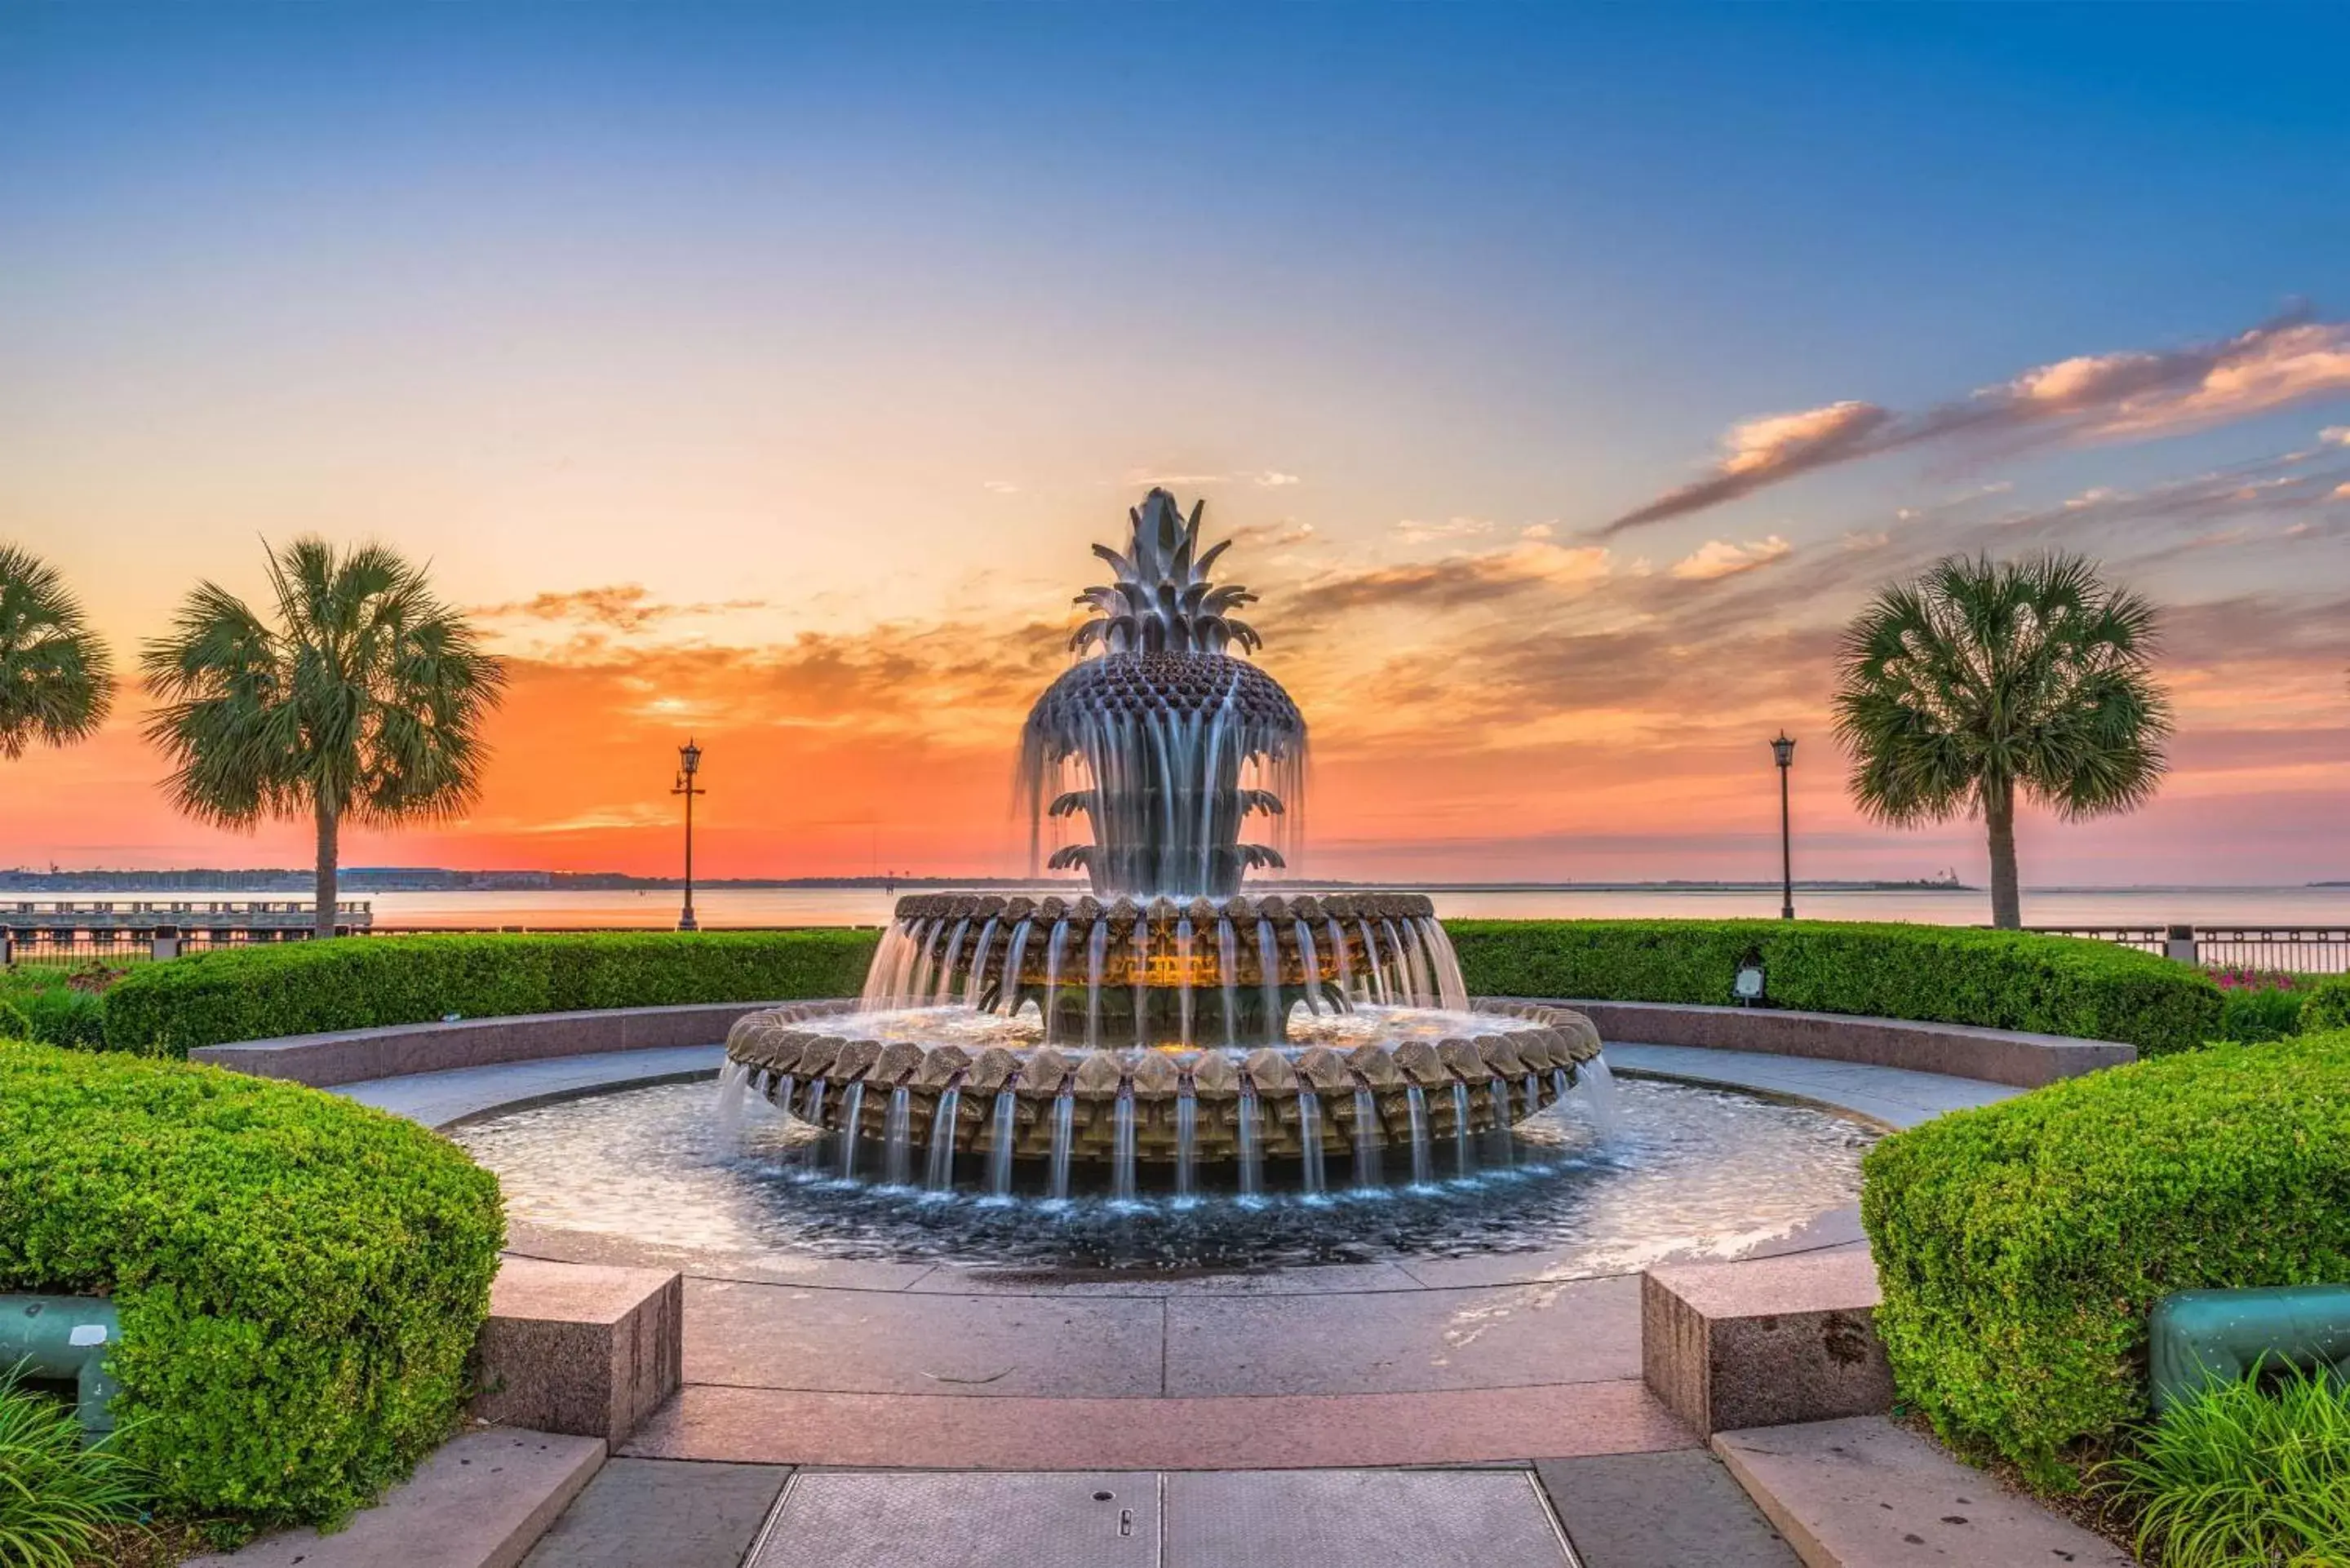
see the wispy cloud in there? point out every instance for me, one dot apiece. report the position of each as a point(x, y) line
point(1412, 531)
point(1722, 559)
point(1000, 486)
point(2128, 395)
point(619, 607)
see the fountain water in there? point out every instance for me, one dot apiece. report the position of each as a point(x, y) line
point(1098, 1022)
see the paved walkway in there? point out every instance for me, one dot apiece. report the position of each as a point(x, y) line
point(1656, 1510)
point(841, 1414)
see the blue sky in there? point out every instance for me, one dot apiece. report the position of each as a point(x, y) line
point(863, 320)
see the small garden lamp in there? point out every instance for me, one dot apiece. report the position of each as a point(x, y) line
point(689, 764)
point(1784, 748)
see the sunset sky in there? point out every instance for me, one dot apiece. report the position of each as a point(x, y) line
point(1567, 376)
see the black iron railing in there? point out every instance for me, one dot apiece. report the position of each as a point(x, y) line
point(2303, 950)
point(114, 932)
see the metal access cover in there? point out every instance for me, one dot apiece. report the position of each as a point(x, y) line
point(924, 1519)
point(1359, 1519)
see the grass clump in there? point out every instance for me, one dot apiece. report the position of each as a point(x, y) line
point(58, 1498)
point(2246, 1474)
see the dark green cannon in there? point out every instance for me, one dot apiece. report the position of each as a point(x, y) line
point(2197, 1338)
point(65, 1339)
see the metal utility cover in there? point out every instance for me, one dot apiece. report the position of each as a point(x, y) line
point(927, 1520)
point(1359, 1519)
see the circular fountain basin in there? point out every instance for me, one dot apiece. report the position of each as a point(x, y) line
point(654, 1173)
point(953, 1084)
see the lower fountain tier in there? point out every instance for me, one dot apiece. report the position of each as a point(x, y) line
point(1369, 1095)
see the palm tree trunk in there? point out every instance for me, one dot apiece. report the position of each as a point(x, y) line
point(1999, 815)
point(328, 833)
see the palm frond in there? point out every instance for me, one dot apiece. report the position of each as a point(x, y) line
point(57, 678)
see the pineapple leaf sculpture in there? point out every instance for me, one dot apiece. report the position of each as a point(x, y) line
point(1155, 724)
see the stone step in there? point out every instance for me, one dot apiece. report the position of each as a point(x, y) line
point(481, 1502)
point(1864, 1493)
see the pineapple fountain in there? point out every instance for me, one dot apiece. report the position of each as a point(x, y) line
point(1167, 1029)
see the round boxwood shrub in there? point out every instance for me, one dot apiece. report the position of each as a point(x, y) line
point(1930, 974)
point(2020, 1247)
point(300, 1279)
point(361, 982)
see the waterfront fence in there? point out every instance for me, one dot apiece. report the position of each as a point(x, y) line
point(2303, 949)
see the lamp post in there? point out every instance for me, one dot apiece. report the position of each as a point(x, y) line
point(1784, 749)
point(689, 763)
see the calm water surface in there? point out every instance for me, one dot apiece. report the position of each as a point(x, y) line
point(1691, 1170)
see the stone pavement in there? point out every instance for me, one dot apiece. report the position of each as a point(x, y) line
point(1675, 1510)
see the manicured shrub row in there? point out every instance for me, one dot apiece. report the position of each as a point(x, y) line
point(300, 1277)
point(44, 1005)
point(1941, 974)
point(360, 982)
point(2328, 1006)
point(2020, 1246)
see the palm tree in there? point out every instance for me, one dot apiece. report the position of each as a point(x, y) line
point(363, 704)
point(1982, 678)
point(56, 680)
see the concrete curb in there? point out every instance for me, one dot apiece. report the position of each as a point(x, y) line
point(1954, 1050)
point(398, 1051)
point(480, 1502)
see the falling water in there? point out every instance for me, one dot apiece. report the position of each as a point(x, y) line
point(898, 1137)
point(1376, 981)
point(1141, 980)
point(1122, 1147)
point(1534, 1094)
point(1268, 969)
point(1053, 976)
point(851, 1108)
point(782, 1094)
point(1187, 1137)
point(898, 945)
point(1422, 1161)
point(913, 988)
point(1010, 989)
point(734, 1088)
point(1228, 970)
point(1345, 964)
point(943, 985)
point(1558, 1087)
point(1451, 989)
point(1309, 1138)
point(1366, 1140)
point(1097, 949)
point(1184, 981)
point(1598, 1087)
point(977, 975)
point(1313, 962)
point(943, 1141)
point(1505, 1153)
point(814, 1115)
point(1251, 1171)
point(999, 1152)
point(1064, 1113)
point(1463, 1161)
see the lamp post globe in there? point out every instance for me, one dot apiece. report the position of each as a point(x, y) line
point(1783, 750)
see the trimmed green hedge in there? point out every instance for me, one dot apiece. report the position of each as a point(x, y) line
point(360, 982)
point(300, 1277)
point(2328, 1006)
point(1937, 974)
point(2020, 1247)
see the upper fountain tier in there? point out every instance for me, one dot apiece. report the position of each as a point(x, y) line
point(1162, 740)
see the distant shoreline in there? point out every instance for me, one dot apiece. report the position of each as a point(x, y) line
point(361, 881)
